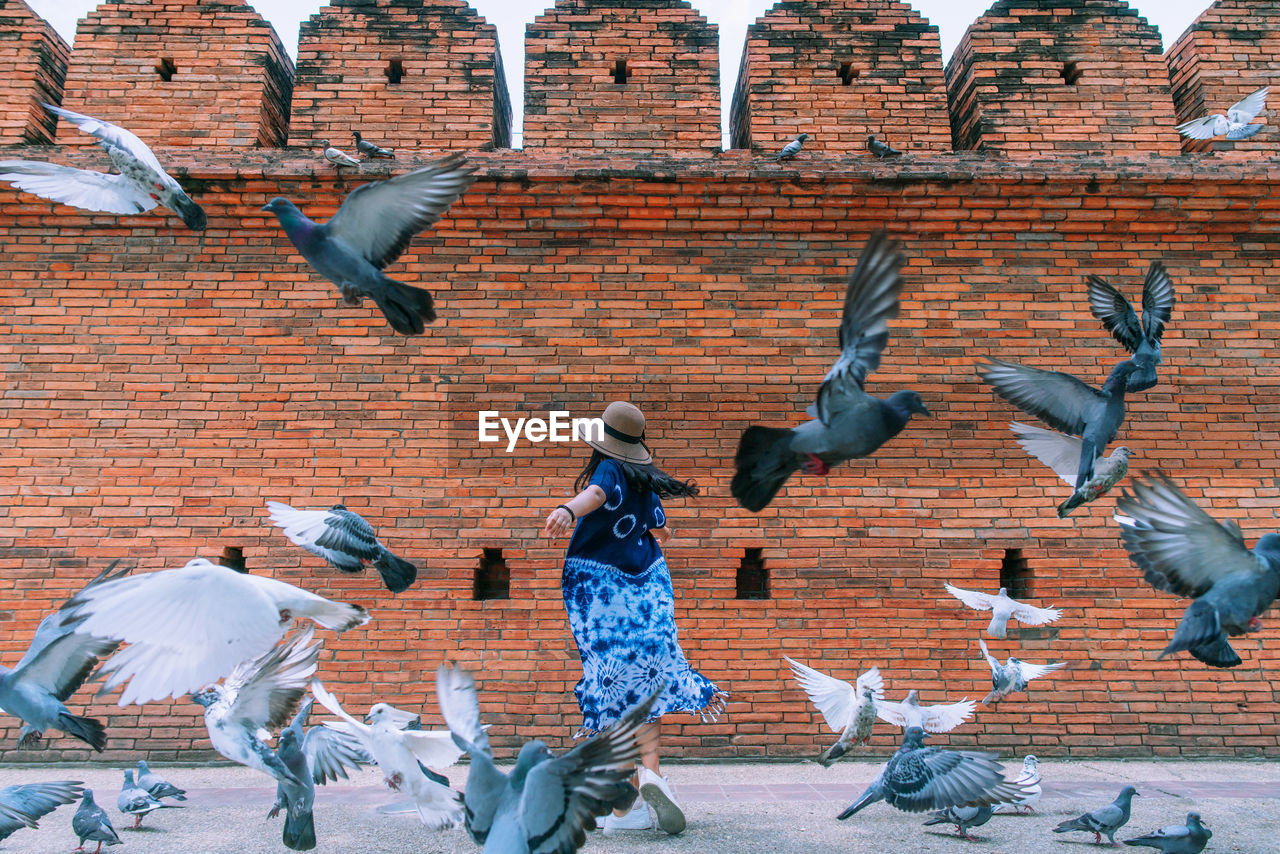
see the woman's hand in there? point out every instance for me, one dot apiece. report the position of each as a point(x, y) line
point(663, 535)
point(559, 523)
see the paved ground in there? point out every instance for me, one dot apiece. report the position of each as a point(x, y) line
point(733, 808)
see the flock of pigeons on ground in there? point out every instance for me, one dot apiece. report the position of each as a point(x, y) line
point(223, 637)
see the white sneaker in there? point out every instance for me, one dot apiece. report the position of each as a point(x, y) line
point(657, 793)
point(637, 819)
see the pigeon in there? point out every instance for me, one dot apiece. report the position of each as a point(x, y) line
point(371, 229)
point(138, 802)
point(1013, 675)
point(881, 149)
point(1066, 404)
point(398, 753)
point(1106, 819)
point(963, 818)
point(1142, 339)
point(849, 711)
point(140, 185)
point(1002, 608)
point(90, 824)
point(1234, 125)
point(921, 779)
point(547, 802)
point(792, 148)
point(368, 149)
point(338, 157)
point(22, 805)
point(909, 713)
point(1182, 550)
point(157, 786)
point(189, 627)
point(55, 665)
point(1177, 839)
point(847, 422)
point(344, 539)
point(1029, 780)
point(1062, 453)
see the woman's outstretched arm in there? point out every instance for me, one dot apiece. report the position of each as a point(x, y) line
point(561, 521)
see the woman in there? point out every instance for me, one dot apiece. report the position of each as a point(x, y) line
point(617, 591)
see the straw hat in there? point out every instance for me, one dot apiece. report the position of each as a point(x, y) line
point(623, 437)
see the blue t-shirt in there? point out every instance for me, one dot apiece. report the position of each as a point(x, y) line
point(617, 533)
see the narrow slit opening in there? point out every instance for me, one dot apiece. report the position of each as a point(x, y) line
point(493, 576)
point(1071, 72)
point(849, 73)
point(394, 71)
point(166, 68)
point(753, 576)
point(232, 557)
point(1015, 574)
point(620, 73)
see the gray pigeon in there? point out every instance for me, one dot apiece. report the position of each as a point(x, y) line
point(547, 802)
point(371, 229)
point(847, 422)
point(1063, 453)
point(157, 786)
point(141, 184)
point(1142, 339)
point(1013, 675)
point(1234, 125)
point(881, 149)
point(1182, 550)
point(22, 805)
point(1177, 839)
point(963, 818)
point(90, 824)
point(1104, 820)
point(345, 540)
point(920, 779)
point(138, 802)
point(368, 149)
point(848, 710)
point(792, 148)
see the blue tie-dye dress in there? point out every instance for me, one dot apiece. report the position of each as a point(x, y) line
point(617, 591)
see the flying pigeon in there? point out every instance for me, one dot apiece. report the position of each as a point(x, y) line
point(371, 229)
point(140, 185)
point(792, 148)
point(1177, 839)
point(1066, 404)
point(1002, 608)
point(547, 802)
point(847, 422)
point(368, 149)
point(1182, 550)
point(1029, 780)
point(259, 695)
point(921, 779)
point(963, 818)
point(138, 802)
point(344, 539)
point(1142, 339)
point(189, 627)
point(55, 665)
point(881, 149)
point(338, 157)
point(909, 713)
point(1062, 453)
point(849, 711)
point(398, 753)
point(1234, 125)
point(22, 805)
point(1013, 675)
point(1106, 819)
point(157, 786)
point(90, 824)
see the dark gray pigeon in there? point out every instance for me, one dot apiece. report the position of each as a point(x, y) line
point(920, 779)
point(1182, 550)
point(371, 229)
point(22, 805)
point(138, 802)
point(157, 786)
point(792, 148)
point(881, 149)
point(1140, 339)
point(90, 824)
point(1104, 820)
point(1012, 676)
point(847, 422)
point(368, 149)
point(1177, 839)
point(546, 803)
point(963, 818)
point(345, 540)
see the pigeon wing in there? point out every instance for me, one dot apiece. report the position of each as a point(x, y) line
point(894, 714)
point(268, 689)
point(948, 716)
point(1247, 108)
point(1201, 128)
point(460, 706)
point(871, 679)
point(974, 599)
point(433, 748)
point(1157, 300)
point(1244, 132)
point(991, 659)
point(347, 533)
point(932, 779)
point(1060, 400)
point(330, 753)
point(112, 135)
point(63, 665)
point(307, 528)
point(1109, 305)
point(1058, 451)
point(1030, 615)
point(22, 805)
point(834, 698)
point(80, 188)
point(1035, 671)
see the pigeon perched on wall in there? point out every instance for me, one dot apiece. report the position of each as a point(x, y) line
point(157, 786)
point(848, 710)
point(1061, 453)
point(344, 539)
point(370, 150)
point(91, 824)
point(909, 713)
point(847, 422)
point(1234, 125)
point(881, 149)
point(546, 803)
point(338, 157)
point(189, 627)
point(1182, 550)
point(1013, 675)
point(1029, 780)
point(1142, 339)
point(1104, 820)
point(963, 818)
point(22, 805)
point(1003, 608)
point(1176, 838)
point(140, 185)
point(371, 229)
point(792, 148)
point(138, 802)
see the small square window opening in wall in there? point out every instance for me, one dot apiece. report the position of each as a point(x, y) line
point(493, 577)
point(849, 73)
point(753, 576)
point(620, 72)
point(166, 68)
point(1071, 72)
point(232, 557)
point(1015, 574)
point(394, 71)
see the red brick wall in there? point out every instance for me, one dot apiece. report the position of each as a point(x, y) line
point(33, 63)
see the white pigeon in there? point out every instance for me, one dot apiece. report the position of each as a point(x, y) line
point(337, 157)
point(909, 713)
point(1234, 125)
point(398, 751)
point(1061, 453)
point(141, 184)
point(189, 627)
point(1002, 608)
point(1013, 675)
point(848, 710)
point(1029, 781)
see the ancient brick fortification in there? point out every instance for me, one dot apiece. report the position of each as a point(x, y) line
point(159, 386)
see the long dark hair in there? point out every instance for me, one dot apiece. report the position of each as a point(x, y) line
point(641, 478)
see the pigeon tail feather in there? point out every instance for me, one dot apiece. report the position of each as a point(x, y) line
point(299, 832)
point(832, 753)
point(88, 730)
point(873, 793)
point(1200, 633)
point(764, 463)
point(407, 309)
point(397, 573)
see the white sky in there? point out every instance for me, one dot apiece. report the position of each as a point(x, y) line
point(732, 16)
